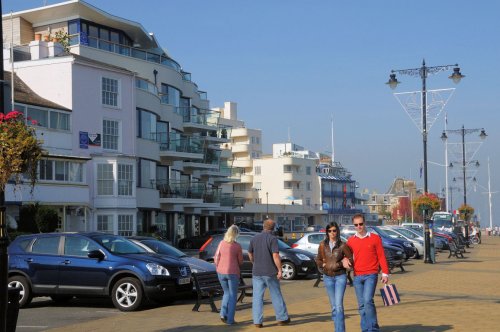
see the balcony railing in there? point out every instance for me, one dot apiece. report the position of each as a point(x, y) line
point(180, 143)
point(199, 116)
point(181, 189)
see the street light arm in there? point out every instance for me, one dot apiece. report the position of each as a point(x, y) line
point(464, 131)
point(419, 71)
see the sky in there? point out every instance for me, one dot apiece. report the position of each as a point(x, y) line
point(294, 65)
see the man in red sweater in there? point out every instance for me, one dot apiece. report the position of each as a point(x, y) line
point(368, 256)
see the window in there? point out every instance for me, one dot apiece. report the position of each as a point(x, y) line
point(308, 202)
point(105, 223)
point(78, 246)
point(147, 176)
point(45, 170)
point(46, 245)
point(287, 185)
point(257, 185)
point(308, 170)
point(308, 186)
point(125, 179)
point(125, 225)
point(109, 92)
point(40, 116)
point(257, 170)
point(287, 168)
point(170, 95)
point(147, 125)
point(105, 179)
point(60, 170)
point(59, 121)
point(110, 134)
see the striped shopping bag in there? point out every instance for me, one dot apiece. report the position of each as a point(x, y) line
point(390, 295)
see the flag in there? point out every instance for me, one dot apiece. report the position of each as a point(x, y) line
point(421, 169)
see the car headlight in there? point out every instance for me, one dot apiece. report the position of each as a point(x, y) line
point(303, 257)
point(194, 270)
point(157, 270)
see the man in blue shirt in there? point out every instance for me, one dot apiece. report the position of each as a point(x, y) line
point(263, 252)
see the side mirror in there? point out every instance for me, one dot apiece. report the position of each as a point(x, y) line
point(96, 254)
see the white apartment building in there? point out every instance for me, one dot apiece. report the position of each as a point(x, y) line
point(129, 118)
point(245, 145)
point(288, 189)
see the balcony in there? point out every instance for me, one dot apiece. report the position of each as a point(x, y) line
point(244, 163)
point(178, 192)
point(238, 148)
point(181, 147)
point(339, 194)
point(196, 119)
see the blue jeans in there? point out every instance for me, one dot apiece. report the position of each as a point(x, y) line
point(229, 283)
point(260, 283)
point(335, 287)
point(365, 290)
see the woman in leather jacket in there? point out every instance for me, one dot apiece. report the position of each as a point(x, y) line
point(331, 251)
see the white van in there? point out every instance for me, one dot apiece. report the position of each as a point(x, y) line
point(443, 221)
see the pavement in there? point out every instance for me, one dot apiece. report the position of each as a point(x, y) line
point(450, 295)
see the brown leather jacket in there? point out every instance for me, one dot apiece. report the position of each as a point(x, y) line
point(330, 261)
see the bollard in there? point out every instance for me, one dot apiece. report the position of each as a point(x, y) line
point(12, 309)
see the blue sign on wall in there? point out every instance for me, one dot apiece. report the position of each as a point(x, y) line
point(84, 140)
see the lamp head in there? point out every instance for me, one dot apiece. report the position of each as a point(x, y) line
point(451, 165)
point(456, 76)
point(477, 164)
point(444, 137)
point(483, 134)
point(393, 81)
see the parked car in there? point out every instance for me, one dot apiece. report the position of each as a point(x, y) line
point(64, 265)
point(310, 242)
point(294, 262)
point(195, 242)
point(407, 246)
point(413, 225)
point(316, 228)
point(404, 234)
point(160, 247)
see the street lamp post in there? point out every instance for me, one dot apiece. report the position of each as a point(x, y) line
point(267, 205)
point(4, 241)
point(423, 71)
point(465, 163)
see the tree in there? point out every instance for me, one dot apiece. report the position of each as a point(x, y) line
point(19, 149)
point(427, 202)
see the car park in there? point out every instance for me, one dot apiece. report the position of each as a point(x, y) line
point(310, 242)
point(65, 265)
point(160, 247)
point(294, 262)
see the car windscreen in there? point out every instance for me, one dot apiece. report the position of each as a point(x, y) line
point(163, 248)
point(118, 245)
point(443, 223)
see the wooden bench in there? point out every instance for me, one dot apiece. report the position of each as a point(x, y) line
point(455, 250)
point(208, 289)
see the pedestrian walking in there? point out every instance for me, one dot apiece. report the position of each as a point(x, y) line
point(331, 252)
point(228, 259)
point(263, 252)
point(368, 255)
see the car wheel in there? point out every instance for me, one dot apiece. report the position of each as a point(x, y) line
point(187, 245)
point(25, 295)
point(127, 294)
point(60, 299)
point(288, 270)
point(417, 254)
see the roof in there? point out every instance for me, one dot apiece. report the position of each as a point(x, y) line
point(336, 178)
point(23, 94)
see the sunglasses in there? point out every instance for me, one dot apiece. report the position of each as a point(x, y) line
point(332, 231)
point(360, 224)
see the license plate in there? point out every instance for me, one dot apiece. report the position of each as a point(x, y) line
point(183, 281)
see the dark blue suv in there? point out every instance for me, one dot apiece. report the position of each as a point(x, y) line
point(64, 265)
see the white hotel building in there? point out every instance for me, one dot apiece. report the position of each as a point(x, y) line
point(131, 141)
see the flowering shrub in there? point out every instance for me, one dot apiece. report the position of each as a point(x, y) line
point(466, 212)
point(428, 202)
point(19, 149)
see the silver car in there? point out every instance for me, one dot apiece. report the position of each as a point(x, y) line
point(310, 242)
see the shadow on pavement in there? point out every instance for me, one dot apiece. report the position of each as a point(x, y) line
point(416, 328)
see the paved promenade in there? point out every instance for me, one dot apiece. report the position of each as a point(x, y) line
point(451, 295)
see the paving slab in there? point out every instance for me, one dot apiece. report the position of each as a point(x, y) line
point(450, 295)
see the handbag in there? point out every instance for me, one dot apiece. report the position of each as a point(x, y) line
point(390, 295)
